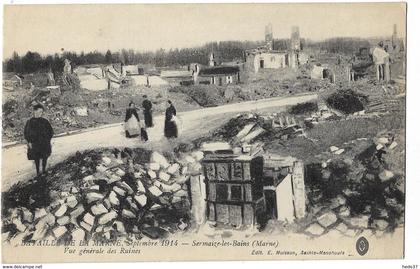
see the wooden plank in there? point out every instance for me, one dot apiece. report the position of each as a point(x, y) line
point(211, 213)
point(212, 191)
point(222, 213)
point(248, 214)
point(235, 215)
point(248, 192)
point(246, 171)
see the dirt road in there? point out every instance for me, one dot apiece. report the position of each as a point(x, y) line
point(16, 167)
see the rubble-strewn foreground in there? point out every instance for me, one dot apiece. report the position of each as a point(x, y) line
point(103, 195)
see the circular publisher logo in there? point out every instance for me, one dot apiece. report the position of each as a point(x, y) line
point(362, 246)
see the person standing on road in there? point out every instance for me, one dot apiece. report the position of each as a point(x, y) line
point(38, 133)
point(132, 121)
point(147, 111)
point(171, 128)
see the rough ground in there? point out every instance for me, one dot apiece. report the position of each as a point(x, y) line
point(103, 195)
point(355, 167)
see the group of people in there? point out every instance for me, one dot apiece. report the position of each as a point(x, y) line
point(38, 131)
point(134, 128)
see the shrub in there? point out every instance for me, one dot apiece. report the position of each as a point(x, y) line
point(303, 108)
point(347, 101)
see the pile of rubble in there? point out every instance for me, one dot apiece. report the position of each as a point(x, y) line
point(248, 128)
point(386, 101)
point(121, 197)
point(355, 191)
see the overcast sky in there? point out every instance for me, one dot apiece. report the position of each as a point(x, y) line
point(48, 28)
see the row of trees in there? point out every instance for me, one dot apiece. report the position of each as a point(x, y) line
point(340, 45)
point(33, 61)
point(227, 51)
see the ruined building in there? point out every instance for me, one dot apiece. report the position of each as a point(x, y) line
point(213, 60)
point(394, 44)
point(269, 36)
point(295, 39)
point(216, 74)
point(267, 58)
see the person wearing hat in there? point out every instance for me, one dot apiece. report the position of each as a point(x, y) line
point(38, 133)
point(147, 112)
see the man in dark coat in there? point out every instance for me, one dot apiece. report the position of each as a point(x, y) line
point(147, 111)
point(171, 129)
point(38, 133)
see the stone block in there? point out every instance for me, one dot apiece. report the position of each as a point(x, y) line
point(119, 226)
point(152, 174)
point(333, 148)
point(154, 166)
point(77, 211)
point(41, 230)
point(327, 219)
point(119, 191)
point(39, 213)
point(18, 224)
point(108, 217)
point(86, 226)
point(78, 235)
point(61, 210)
point(113, 199)
point(27, 215)
point(165, 177)
point(128, 214)
point(160, 159)
point(59, 231)
point(126, 187)
point(98, 209)
point(173, 169)
point(89, 219)
point(155, 191)
point(94, 196)
point(380, 224)
point(119, 172)
point(315, 229)
point(141, 199)
point(63, 220)
point(361, 222)
point(140, 187)
point(386, 175)
point(181, 193)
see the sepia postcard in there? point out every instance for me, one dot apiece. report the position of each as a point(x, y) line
point(203, 132)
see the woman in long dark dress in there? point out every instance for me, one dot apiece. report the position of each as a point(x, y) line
point(132, 122)
point(38, 133)
point(171, 129)
point(147, 112)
